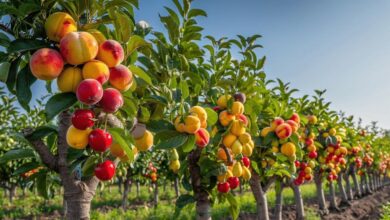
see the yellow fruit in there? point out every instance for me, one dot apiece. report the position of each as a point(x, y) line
point(69, 79)
point(271, 162)
point(221, 178)
point(237, 128)
point(311, 148)
point(288, 149)
point(229, 139)
point(179, 126)
point(312, 119)
point(325, 135)
point(311, 136)
point(330, 149)
point(245, 138)
point(200, 112)
point(225, 118)
point(246, 173)
point(229, 173)
point(203, 124)
point(312, 164)
point(174, 165)
point(251, 143)
point(192, 124)
point(145, 142)
point(58, 24)
point(275, 149)
point(221, 154)
point(308, 170)
point(237, 108)
point(223, 100)
point(236, 147)
point(332, 132)
point(264, 132)
point(247, 150)
point(100, 38)
point(263, 164)
point(237, 169)
point(76, 138)
point(116, 150)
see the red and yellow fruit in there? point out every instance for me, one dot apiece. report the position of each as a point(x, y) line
point(78, 47)
point(111, 101)
point(46, 64)
point(111, 53)
point(145, 142)
point(58, 24)
point(96, 69)
point(89, 91)
point(223, 100)
point(69, 79)
point(202, 137)
point(225, 118)
point(283, 131)
point(121, 77)
point(77, 138)
point(288, 149)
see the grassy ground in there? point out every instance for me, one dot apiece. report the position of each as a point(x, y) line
point(105, 205)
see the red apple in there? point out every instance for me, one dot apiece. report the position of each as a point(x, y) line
point(298, 181)
point(223, 187)
point(234, 182)
point(83, 119)
point(112, 100)
point(89, 91)
point(313, 155)
point(297, 164)
point(99, 140)
point(105, 171)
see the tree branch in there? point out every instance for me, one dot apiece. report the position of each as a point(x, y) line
point(269, 183)
point(44, 153)
point(62, 149)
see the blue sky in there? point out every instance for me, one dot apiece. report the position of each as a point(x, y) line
point(341, 46)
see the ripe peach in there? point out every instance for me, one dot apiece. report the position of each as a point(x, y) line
point(78, 47)
point(237, 108)
point(236, 147)
point(191, 124)
point(58, 24)
point(100, 38)
point(145, 142)
point(223, 100)
point(46, 64)
point(202, 137)
point(111, 101)
point(247, 150)
point(69, 79)
point(89, 91)
point(243, 118)
point(293, 125)
point(76, 138)
point(312, 119)
point(264, 132)
point(116, 150)
point(283, 131)
point(179, 126)
point(245, 138)
point(288, 149)
point(295, 117)
point(276, 122)
point(96, 69)
point(225, 118)
point(121, 77)
point(199, 112)
point(111, 52)
point(228, 140)
point(237, 128)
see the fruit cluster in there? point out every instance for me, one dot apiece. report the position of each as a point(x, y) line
point(152, 172)
point(237, 144)
point(174, 162)
point(83, 64)
point(194, 123)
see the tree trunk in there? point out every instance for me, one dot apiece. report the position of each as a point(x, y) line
point(12, 193)
point(241, 188)
point(155, 196)
point(278, 201)
point(348, 187)
point(120, 180)
point(299, 210)
point(320, 194)
point(332, 197)
point(126, 188)
point(138, 189)
point(176, 186)
point(203, 206)
point(356, 186)
point(363, 185)
point(260, 197)
point(343, 193)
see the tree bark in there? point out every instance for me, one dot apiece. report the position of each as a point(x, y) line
point(176, 186)
point(356, 185)
point(138, 189)
point(155, 196)
point(332, 197)
point(278, 201)
point(203, 206)
point(320, 194)
point(299, 210)
point(12, 193)
point(125, 194)
point(260, 197)
point(343, 193)
point(348, 186)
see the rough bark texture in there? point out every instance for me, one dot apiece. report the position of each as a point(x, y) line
point(356, 185)
point(260, 197)
point(343, 193)
point(320, 194)
point(203, 211)
point(299, 210)
point(12, 193)
point(348, 187)
point(126, 187)
point(176, 186)
point(332, 197)
point(278, 202)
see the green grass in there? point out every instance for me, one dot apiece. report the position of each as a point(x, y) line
point(106, 204)
point(386, 211)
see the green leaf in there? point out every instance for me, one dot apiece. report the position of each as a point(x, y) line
point(196, 12)
point(136, 42)
point(25, 168)
point(184, 200)
point(212, 116)
point(58, 103)
point(89, 165)
point(185, 92)
point(170, 139)
point(159, 125)
point(141, 74)
point(42, 186)
point(234, 208)
point(16, 154)
point(189, 144)
point(4, 69)
point(24, 81)
point(42, 131)
point(22, 45)
point(118, 136)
